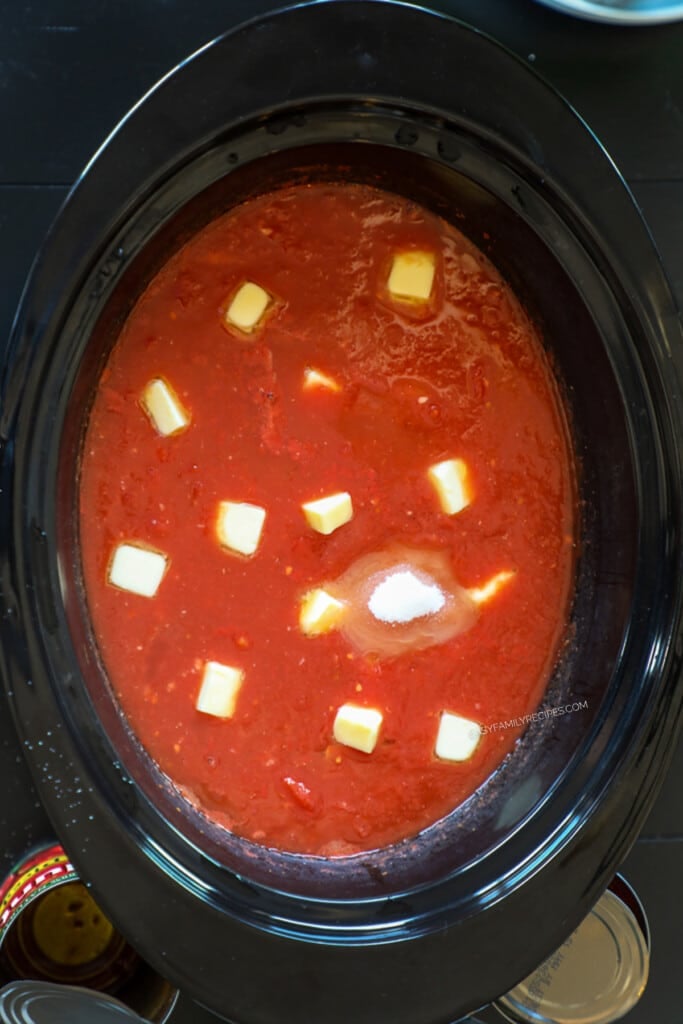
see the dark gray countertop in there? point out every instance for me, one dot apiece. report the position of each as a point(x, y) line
point(69, 69)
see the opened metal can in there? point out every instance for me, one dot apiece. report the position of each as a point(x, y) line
point(51, 929)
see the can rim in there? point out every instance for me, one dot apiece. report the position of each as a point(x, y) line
point(619, 13)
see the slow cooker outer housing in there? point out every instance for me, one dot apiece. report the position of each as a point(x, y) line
point(434, 949)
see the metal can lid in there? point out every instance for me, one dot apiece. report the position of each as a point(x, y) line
point(595, 977)
point(41, 1002)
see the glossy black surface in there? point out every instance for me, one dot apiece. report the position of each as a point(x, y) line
point(575, 33)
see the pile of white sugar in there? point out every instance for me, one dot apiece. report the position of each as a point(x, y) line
point(403, 596)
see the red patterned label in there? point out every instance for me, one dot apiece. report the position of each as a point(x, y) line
point(40, 871)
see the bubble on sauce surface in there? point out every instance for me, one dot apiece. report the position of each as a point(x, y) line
point(456, 614)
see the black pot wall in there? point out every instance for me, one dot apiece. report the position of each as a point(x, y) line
point(404, 933)
point(593, 404)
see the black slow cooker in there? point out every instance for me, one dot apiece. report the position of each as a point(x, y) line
point(433, 927)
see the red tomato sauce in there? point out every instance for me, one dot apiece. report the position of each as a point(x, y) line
point(462, 375)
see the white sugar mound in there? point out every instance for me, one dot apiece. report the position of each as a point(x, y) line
point(402, 597)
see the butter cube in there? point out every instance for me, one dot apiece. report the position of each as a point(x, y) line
point(357, 727)
point(163, 408)
point(219, 689)
point(451, 480)
point(325, 515)
point(412, 275)
point(319, 612)
point(137, 569)
point(248, 306)
point(457, 738)
point(317, 379)
point(239, 526)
